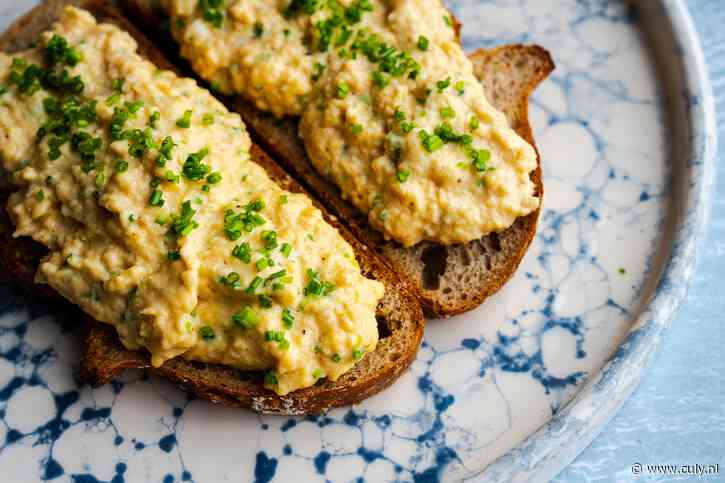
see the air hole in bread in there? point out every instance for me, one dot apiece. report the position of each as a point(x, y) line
point(465, 257)
point(495, 242)
point(487, 262)
point(435, 260)
point(383, 327)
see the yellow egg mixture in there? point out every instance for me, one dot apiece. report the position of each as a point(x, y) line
point(391, 110)
point(141, 186)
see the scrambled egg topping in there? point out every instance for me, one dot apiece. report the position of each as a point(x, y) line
point(141, 186)
point(391, 109)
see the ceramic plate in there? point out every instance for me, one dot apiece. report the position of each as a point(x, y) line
point(513, 390)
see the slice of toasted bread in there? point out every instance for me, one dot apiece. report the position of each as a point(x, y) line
point(400, 320)
point(448, 280)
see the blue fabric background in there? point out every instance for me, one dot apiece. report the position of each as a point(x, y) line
point(677, 415)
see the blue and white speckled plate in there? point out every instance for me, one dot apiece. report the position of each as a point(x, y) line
point(511, 391)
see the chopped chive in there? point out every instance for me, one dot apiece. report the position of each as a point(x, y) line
point(232, 280)
point(286, 249)
point(134, 107)
point(156, 198)
point(117, 85)
point(380, 79)
point(407, 127)
point(280, 274)
point(245, 318)
point(270, 378)
point(214, 178)
point(423, 43)
point(185, 120)
point(316, 286)
point(265, 301)
point(258, 29)
point(431, 142)
point(206, 332)
point(193, 168)
point(443, 85)
point(113, 99)
point(121, 166)
point(154, 119)
point(288, 319)
point(270, 239)
point(274, 336)
point(262, 263)
point(243, 252)
point(253, 285)
point(319, 69)
point(183, 224)
point(447, 112)
point(480, 158)
point(171, 177)
point(342, 90)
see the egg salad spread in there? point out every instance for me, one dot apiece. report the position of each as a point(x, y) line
point(391, 109)
point(141, 186)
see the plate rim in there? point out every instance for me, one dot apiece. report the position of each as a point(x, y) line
point(551, 448)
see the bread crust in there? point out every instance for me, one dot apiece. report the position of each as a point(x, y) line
point(447, 280)
point(400, 319)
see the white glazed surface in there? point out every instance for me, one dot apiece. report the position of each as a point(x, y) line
point(627, 187)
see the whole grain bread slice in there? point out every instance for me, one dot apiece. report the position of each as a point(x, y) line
point(400, 319)
point(447, 280)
